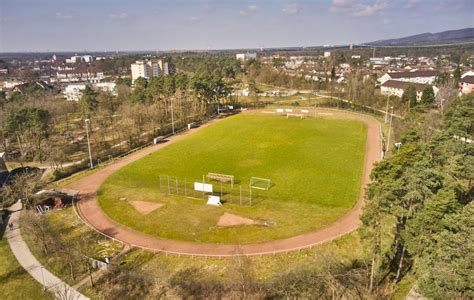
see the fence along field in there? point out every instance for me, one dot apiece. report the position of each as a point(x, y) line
point(239, 194)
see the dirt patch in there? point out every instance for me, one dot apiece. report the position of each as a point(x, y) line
point(227, 220)
point(144, 207)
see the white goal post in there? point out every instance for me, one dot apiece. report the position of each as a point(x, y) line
point(260, 183)
point(221, 178)
point(301, 116)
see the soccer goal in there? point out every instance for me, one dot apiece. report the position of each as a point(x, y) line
point(221, 178)
point(301, 116)
point(260, 183)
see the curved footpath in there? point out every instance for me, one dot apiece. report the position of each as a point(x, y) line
point(28, 261)
point(91, 213)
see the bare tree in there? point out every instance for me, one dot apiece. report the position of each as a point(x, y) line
point(445, 94)
point(37, 226)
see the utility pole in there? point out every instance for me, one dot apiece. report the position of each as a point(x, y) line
point(87, 121)
point(386, 111)
point(390, 129)
point(172, 116)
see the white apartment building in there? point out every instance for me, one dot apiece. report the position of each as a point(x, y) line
point(87, 58)
point(422, 76)
point(78, 58)
point(139, 69)
point(246, 56)
point(396, 88)
point(80, 75)
point(148, 69)
point(73, 92)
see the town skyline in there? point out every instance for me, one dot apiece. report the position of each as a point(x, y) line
point(204, 25)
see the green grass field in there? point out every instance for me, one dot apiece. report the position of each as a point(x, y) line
point(15, 282)
point(315, 165)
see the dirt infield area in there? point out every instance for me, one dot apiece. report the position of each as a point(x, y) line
point(227, 220)
point(145, 207)
point(91, 213)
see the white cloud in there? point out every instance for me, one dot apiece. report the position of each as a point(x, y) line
point(118, 16)
point(359, 9)
point(248, 10)
point(60, 15)
point(291, 9)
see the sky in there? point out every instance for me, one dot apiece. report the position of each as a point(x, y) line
point(127, 25)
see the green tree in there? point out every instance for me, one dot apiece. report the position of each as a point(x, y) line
point(17, 97)
point(3, 99)
point(88, 102)
point(428, 96)
point(409, 96)
point(457, 73)
point(30, 126)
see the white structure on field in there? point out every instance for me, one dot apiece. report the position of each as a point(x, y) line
point(148, 69)
point(246, 56)
point(327, 54)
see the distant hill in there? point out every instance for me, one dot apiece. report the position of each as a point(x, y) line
point(460, 35)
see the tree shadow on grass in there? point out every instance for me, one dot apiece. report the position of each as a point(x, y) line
point(16, 273)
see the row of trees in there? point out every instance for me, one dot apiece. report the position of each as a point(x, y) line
point(424, 194)
point(42, 126)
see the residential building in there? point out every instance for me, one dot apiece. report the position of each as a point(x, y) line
point(327, 54)
point(77, 59)
point(23, 88)
point(87, 58)
point(468, 73)
point(73, 91)
point(466, 84)
point(378, 61)
point(148, 69)
point(396, 88)
point(245, 56)
point(109, 87)
point(418, 76)
point(10, 84)
point(139, 69)
point(80, 75)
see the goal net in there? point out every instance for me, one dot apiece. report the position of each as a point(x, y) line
point(221, 178)
point(260, 183)
point(301, 116)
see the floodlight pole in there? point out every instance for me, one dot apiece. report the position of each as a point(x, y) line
point(172, 117)
point(87, 121)
point(389, 129)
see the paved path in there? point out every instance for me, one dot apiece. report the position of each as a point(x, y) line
point(26, 259)
point(90, 211)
